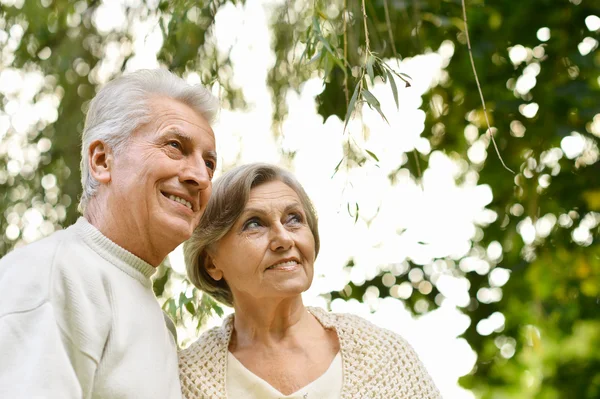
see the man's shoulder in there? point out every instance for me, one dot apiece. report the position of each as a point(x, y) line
point(25, 274)
point(30, 274)
point(33, 253)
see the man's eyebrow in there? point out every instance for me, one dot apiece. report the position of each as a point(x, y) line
point(179, 134)
point(211, 154)
point(188, 139)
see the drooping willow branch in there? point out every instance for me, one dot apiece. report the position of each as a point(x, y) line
point(393, 42)
point(367, 44)
point(489, 128)
point(344, 17)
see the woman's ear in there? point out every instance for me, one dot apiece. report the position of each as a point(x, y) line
point(212, 269)
point(100, 161)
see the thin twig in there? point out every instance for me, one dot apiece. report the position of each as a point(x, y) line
point(389, 26)
point(489, 128)
point(344, 16)
point(367, 44)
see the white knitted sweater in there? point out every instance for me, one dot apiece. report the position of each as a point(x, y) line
point(377, 363)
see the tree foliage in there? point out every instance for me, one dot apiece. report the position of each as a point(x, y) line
point(538, 65)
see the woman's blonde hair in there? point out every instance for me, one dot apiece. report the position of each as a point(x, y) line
point(229, 197)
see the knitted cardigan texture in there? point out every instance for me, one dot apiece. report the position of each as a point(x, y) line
point(377, 363)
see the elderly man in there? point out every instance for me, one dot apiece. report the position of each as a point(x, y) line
point(78, 317)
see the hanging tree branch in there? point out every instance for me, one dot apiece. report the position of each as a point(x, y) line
point(344, 17)
point(389, 26)
point(489, 128)
point(367, 44)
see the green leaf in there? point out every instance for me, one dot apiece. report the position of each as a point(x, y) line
point(316, 25)
point(372, 155)
point(373, 102)
point(330, 50)
point(351, 105)
point(325, 44)
point(337, 167)
point(315, 58)
point(394, 88)
point(370, 68)
point(184, 300)
point(190, 308)
point(403, 77)
point(308, 49)
point(159, 283)
point(356, 210)
point(218, 310)
point(171, 308)
point(381, 66)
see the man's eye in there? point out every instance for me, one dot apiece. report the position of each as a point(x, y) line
point(210, 165)
point(175, 144)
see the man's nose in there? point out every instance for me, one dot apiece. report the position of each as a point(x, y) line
point(195, 173)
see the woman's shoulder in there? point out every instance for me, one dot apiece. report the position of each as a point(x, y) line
point(202, 365)
point(355, 325)
point(378, 359)
point(362, 340)
point(212, 341)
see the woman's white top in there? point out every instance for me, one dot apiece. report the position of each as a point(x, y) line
point(242, 383)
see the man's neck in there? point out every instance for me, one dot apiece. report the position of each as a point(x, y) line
point(125, 234)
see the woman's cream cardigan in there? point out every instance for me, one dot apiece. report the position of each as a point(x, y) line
point(377, 363)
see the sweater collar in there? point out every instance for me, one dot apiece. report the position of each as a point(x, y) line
point(326, 319)
point(113, 253)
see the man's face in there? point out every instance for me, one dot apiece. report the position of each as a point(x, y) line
point(161, 180)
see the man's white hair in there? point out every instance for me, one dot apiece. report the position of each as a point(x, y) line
point(123, 105)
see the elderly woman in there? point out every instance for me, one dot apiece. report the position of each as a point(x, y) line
point(255, 250)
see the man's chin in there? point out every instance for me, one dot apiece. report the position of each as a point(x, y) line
point(177, 231)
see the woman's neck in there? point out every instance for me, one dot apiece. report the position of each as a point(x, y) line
point(269, 323)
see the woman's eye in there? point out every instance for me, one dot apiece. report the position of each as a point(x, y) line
point(294, 218)
point(251, 224)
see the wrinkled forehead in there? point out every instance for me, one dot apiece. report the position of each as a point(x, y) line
point(165, 110)
point(274, 194)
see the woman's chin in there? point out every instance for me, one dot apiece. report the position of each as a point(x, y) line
point(291, 289)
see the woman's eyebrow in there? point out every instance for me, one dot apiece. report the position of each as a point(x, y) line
point(291, 206)
point(253, 210)
point(294, 206)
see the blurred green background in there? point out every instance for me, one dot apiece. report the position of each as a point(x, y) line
point(539, 68)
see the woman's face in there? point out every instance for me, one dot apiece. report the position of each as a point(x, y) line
point(270, 250)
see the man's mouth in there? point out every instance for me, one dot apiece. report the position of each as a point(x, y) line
point(178, 199)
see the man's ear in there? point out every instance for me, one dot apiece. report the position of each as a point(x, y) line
point(100, 161)
point(211, 269)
